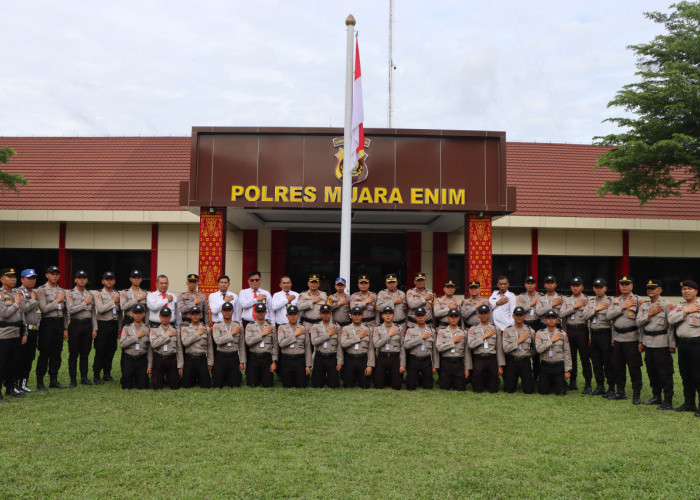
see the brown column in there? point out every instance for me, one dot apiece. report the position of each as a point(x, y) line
point(478, 239)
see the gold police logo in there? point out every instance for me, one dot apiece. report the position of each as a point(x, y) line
point(359, 172)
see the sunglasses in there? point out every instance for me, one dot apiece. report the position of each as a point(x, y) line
point(253, 279)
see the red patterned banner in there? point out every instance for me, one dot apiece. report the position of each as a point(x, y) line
point(212, 247)
point(479, 244)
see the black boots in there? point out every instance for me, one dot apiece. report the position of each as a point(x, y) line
point(55, 384)
point(40, 384)
point(636, 398)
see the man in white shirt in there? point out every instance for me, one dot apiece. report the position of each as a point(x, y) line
point(281, 299)
point(502, 304)
point(218, 299)
point(248, 298)
point(159, 299)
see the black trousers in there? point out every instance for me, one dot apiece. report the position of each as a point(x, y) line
point(452, 374)
point(601, 356)
point(258, 370)
point(552, 375)
point(485, 374)
point(135, 372)
point(195, 370)
point(164, 369)
point(293, 370)
point(50, 344)
point(325, 370)
point(660, 371)
point(79, 344)
point(226, 370)
point(419, 369)
point(689, 368)
point(26, 355)
point(626, 355)
point(8, 362)
point(536, 325)
point(105, 347)
point(354, 370)
point(578, 343)
point(387, 369)
point(518, 368)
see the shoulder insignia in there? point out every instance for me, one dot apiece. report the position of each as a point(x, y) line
point(40, 293)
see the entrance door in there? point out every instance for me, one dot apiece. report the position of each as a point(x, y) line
point(373, 254)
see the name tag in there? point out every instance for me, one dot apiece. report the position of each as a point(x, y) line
point(114, 311)
point(486, 345)
point(137, 347)
point(325, 345)
point(595, 320)
point(165, 347)
point(573, 316)
point(452, 350)
point(550, 354)
point(228, 344)
point(520, 347)
point(262, 344)
point(291, 346)
point(387, 346)
point(357, 347)
point(422, 347)
point(59, 307)
point(532, 312)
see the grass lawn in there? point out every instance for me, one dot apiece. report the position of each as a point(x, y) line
point(104, 442)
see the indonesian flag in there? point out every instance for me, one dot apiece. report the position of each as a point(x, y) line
point(358, 116)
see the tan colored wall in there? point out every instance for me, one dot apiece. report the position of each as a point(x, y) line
point(29, 234)
point(178, 253)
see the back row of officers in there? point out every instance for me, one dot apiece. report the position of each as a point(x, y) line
point(532, 338)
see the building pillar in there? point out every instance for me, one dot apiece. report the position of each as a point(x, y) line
point(440, 261)
point(413, 256)
point(623, 262)
point(478, 239)
point(534, 256)
point(278, 256)
point(212, 248)
point(250, 255)
point(64, 259)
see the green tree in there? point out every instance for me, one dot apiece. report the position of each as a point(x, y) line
point(8, 180)
point(658, 153)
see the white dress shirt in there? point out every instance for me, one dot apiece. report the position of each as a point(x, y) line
point(216, 301)
point(502, 315)
point(278, 305)
point(248, 298)
point(155, 302)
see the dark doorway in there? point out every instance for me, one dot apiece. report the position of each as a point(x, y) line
point(374, 254)
point(120, 262)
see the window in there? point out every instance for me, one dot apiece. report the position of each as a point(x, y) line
point(120, 262)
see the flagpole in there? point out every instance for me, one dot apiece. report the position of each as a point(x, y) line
point(348, 159)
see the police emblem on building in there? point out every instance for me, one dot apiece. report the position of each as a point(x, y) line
point(359, 172)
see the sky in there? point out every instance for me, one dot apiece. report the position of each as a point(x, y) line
point(540, 70)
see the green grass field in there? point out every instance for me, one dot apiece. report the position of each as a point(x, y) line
point(102, 441)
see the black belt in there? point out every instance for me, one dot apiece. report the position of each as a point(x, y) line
point(18, 324)
point(626, 330)
point(580, 325)
point(134, 356)
point(114, 320)
point(356, 356)
point(51, 318)
point(552, 363)
point(292, 356)
point(326, 354)
point(261, 355)
point(688, 341)
point(388, 354)
point(367, 320)
point(154, 324)
point(198, 355)
point(654, 333)
point(163, 356)
point(312, 321)
point(444, 323)
point(343, 323)
point(79, 320)
point(421, 358)
point(411, 320)
point(517, 358)
point(227, 353)
point(485, 356)
point(452, 358)
point(601, 331)
point(186, 319)
point(531, 322)
point(400, 322)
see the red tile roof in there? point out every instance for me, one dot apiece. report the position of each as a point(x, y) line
point(143, 173)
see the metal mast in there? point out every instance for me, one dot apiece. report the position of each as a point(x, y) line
point(390, 100)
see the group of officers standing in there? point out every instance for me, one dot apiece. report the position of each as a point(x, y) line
point(363, 338)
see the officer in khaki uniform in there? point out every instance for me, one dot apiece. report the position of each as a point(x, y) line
point(387, 339)
point(485, 343)
point(135, 343)
point(445, 304)
point(294, 347)
point(419, 356)
point(82, 328)
point(356, 341)
point(572, 313)
point(365, 300)
point(328, 358)
point(550, 301)
point(529, 300)
point(230, 355)
point(30, 308)
point(419, 296)
point(188, 300)
point(685, 317)
point(196, 353)
point(455, 360)
point(108, 314)
point(133, 295)
point(659, 342)
point(392, 297)
point(53, 330)
point(11, 335)
point(600, 339)
point(309, 302)
point(261, 338)
point(469, 305)
point(164, 364)
point(553, 346)
point(340, 304)
point(518, 347)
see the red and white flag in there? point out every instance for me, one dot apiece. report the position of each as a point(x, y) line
point(358, 131)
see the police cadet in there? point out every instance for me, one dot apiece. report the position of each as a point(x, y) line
point(485, 343)
point(518, 347)
point(131, 296)
point(197, 349)
point(340, 304)
point(528, 300)
point(29, 306)
point(471, 303)
point(82, 328)
point(108, 317)
point(365, 300)
point(553, 346)
point(419, 296)
point(310, 302)
point(134, 341)
point(685, 317)
point(419, 356)
point(600, 338)
point(572, 313)
point(53, 329)
point(659, 343)
point(186, 301)
point(392, 297)
point(356, 341)
point(261, 337)
point(10, 333)
point(230, 355)
point(387, 339)
point(294, 347)
point(455, 358)
point(445, 304)
point(623, 314)
point(165, 344)
point(550, 300)
point(328, 358)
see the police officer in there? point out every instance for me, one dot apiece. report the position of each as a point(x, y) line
point(365, 300)
point(600, 338)
point(659, 344)
point(310, 302)
point(387, 339)
point(485, 343)
point(518, 347)
point(53, 330)
point(135, 343)
point(419, 356)
point(294, 348)
point(261, 337)
point(188, 300)
point(196, 352)
point(108, 315)
point(392, 297)
point(455, 357)
point(30, 307)
point(10, 333)
point(419, 296)
point(528, 300)
point(230, 355)
point(685, 317)
point(165, 345)
point(445, 304)
point(133, 295)
point(471, 303)
point(340, 304)
point(82, 328)
point(553, 346)
point(550, 301)
point(328, 359)
point(572, 313)
point(356, 341)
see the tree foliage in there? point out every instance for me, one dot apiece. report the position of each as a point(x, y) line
point(8, 180)
point(658, 153)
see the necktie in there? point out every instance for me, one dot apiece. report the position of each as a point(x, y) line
point(255, 294)
point(165, 295)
